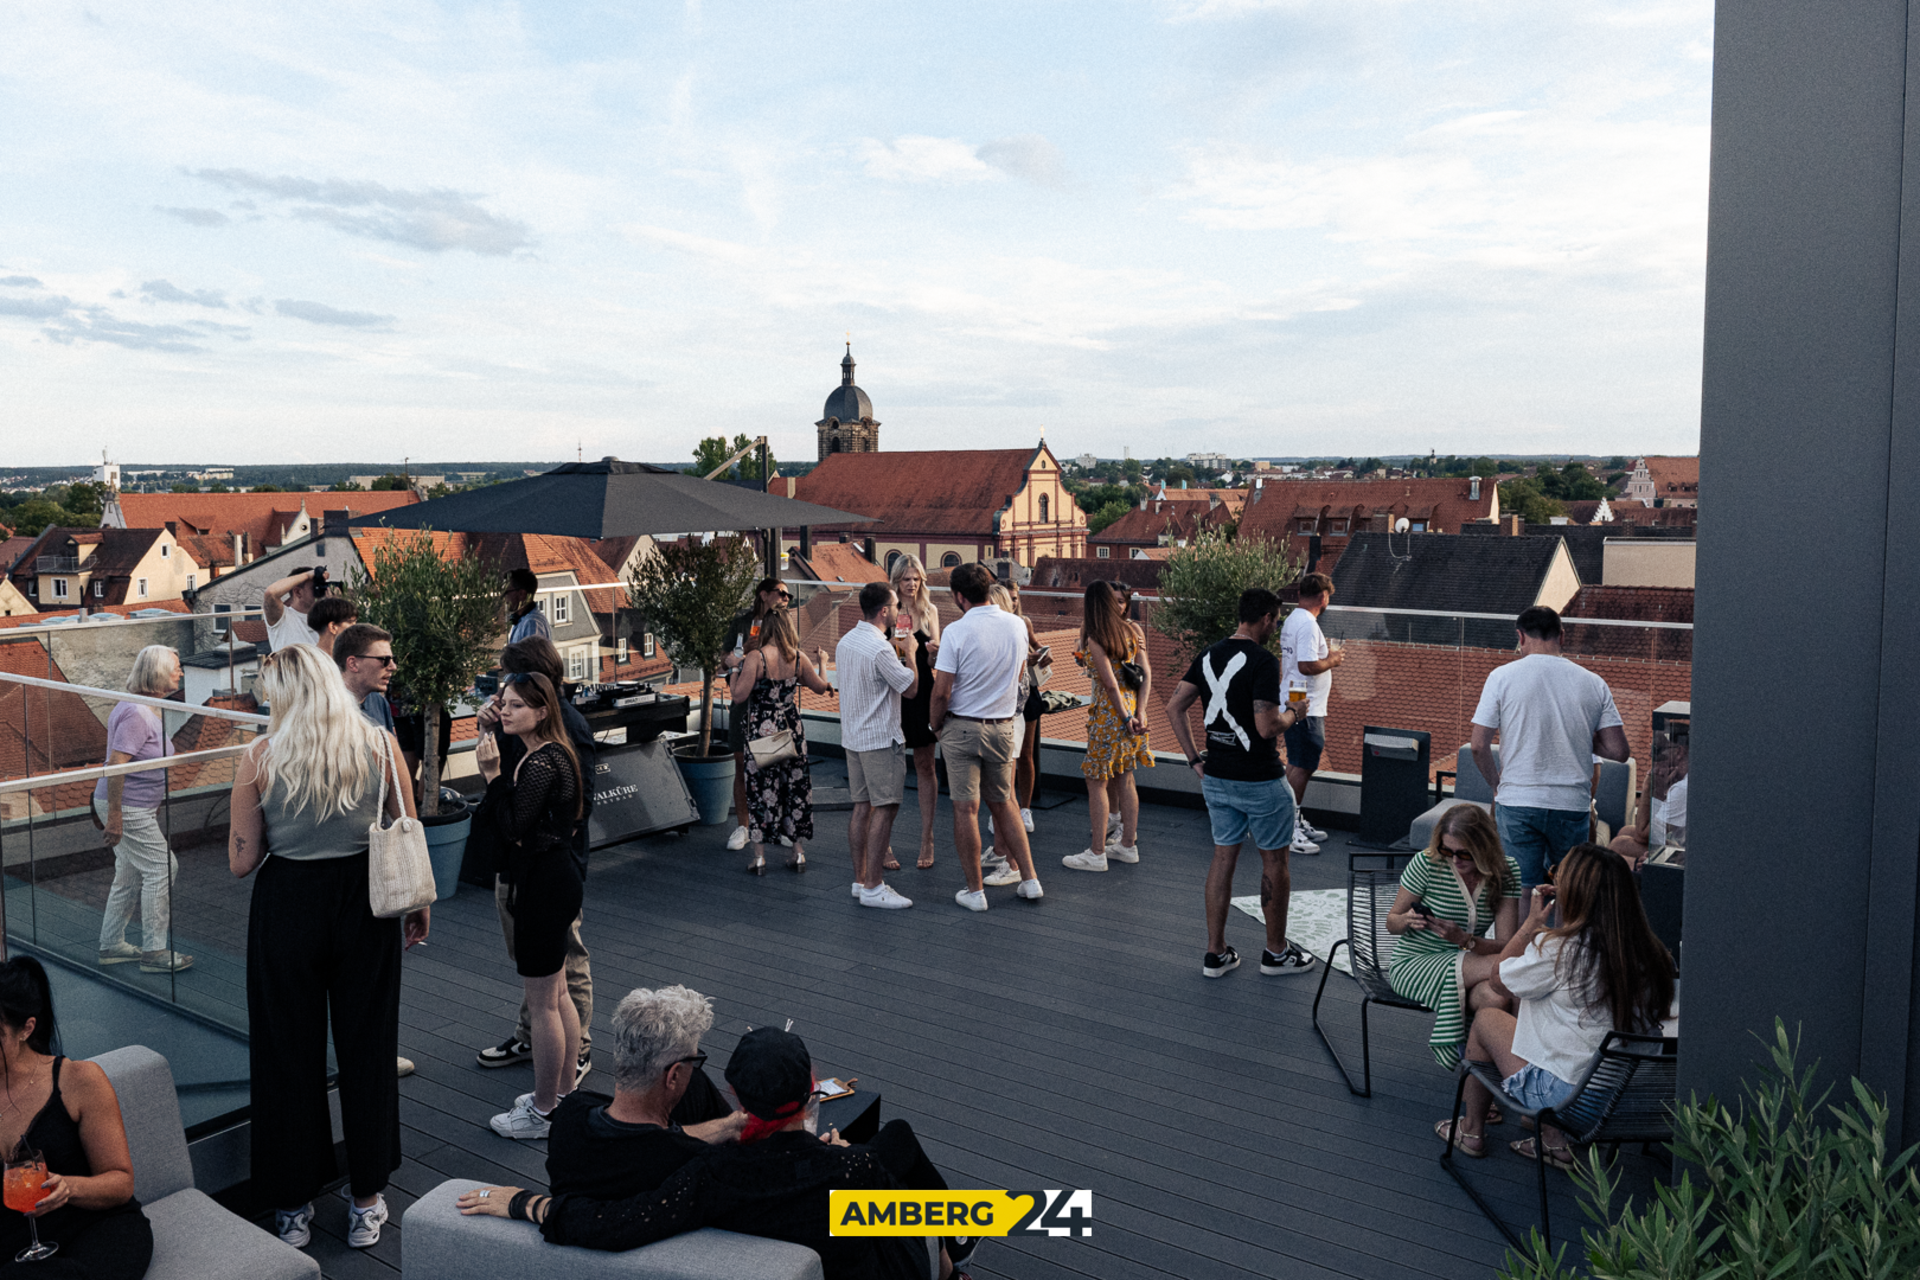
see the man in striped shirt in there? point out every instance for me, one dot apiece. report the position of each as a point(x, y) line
point(876, 671)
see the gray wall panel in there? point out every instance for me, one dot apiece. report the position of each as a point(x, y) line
point(1802, 272)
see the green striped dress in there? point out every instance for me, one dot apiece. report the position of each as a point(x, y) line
point(1426, 967)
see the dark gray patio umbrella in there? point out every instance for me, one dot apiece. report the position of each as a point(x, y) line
point(609, 499)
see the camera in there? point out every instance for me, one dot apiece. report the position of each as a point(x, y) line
point(319, 581)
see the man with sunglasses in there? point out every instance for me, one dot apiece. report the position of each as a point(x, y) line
point(364, 654)
point(664, 1110)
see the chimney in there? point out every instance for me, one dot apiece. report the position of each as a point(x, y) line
point(806, 542)
point(237, 561)
point(870, 549)
point(1515, 526)
point(1473, 487)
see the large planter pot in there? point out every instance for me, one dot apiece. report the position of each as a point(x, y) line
point(710, 779)
point(446, 847)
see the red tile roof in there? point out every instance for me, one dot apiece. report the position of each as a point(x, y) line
point(839, 562)
point(263, 517)
point(1279, 505)
point(1144, 526)
point(957, 491)
point(119, 610)
point(1675, 477)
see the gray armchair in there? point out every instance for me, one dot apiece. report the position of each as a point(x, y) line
point(193, 1237)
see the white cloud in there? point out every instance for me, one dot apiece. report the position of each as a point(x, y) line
point(917, 158)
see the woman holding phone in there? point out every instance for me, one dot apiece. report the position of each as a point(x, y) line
point(533, 811)
point(1448, 894)
point(1600, 969)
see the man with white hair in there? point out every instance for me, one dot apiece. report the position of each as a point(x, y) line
point(143, 865)
point(664, 1110)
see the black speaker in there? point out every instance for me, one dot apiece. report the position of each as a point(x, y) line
point(1394, 781)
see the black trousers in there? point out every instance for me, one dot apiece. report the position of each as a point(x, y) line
point(900, 1151)
point(314, 951)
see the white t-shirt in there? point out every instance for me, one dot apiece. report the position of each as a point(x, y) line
point(1559, 1028)
point(984, 651)
point(1302, 641)
point(1669, 816)
point(1547, 709)
point(291, 629)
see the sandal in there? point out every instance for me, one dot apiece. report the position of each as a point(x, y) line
point(1558, 1157)
point(758, 867)
point(797, 863)
point(1495, 1115)
point(1443, 1130)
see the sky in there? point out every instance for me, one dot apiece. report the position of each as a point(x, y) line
point(245, 233)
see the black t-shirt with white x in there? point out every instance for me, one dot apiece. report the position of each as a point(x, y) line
point(1231, 677)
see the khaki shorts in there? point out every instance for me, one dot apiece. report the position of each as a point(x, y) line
point(878, 777)
point(979, 759)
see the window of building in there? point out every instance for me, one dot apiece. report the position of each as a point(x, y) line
point(562, 609)
point(165, 551)
point(1419, 526)
point(190, 580)
point(59, 588)
point(1337, 528)
point(1100, 553)
point(951, 560)
point(646, 644)
point(620, 649)
point(577, 663)
point(143, 588)
point(1043, 509)
point(894, 558)
point(1306, 526)
point(99, 591)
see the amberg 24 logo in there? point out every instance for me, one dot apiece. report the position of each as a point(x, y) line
point(976, 1213)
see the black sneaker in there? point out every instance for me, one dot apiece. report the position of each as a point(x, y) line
point(1291, 961)
point(1219, 966)
point(581, 1066)
point(505, 1054)
point(960, 1248)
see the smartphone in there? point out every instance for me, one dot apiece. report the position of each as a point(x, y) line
point(1046, 651)
point(1420, 909)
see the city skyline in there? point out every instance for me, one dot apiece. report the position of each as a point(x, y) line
point(1276, 228)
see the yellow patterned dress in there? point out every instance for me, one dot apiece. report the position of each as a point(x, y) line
point(1111, 748)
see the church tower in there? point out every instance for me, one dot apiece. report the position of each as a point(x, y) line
point(847, 425)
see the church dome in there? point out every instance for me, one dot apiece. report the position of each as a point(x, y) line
point(848, 403)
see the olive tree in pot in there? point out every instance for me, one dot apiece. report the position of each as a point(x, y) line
point(689, 593)
point(442, 607)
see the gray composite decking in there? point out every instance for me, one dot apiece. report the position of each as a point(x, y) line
point(1072, 1043)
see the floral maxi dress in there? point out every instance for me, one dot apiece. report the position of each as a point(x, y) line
point(780, 796)
point(1111, 748)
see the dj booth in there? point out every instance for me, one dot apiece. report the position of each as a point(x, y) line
point(637, 788)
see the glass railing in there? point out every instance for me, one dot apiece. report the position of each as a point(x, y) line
point(139, 950)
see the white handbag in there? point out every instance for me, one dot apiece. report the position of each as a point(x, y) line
point(399, 872)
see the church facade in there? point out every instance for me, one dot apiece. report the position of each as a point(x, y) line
point(847, 423)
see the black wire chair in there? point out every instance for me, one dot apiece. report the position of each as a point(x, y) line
point(1373, 880)
point(1628, 1096)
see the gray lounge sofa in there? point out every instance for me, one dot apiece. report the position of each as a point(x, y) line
point(438, 1243)
point(193, 1237)
point(1468, 788)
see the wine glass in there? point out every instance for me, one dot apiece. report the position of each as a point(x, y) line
point(26, 1173)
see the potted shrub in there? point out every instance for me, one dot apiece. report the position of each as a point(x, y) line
point(442, 606)
point(689, 593)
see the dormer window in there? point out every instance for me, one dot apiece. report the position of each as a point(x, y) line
point(1338, 528)
point(99, 591)
point(1306, 526)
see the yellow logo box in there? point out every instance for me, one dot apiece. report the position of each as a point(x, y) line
point(960, 1213)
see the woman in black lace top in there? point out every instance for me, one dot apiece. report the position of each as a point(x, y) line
point(534, 811)
point(774, 1182)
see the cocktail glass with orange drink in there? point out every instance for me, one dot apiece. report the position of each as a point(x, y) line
point(24, 1186)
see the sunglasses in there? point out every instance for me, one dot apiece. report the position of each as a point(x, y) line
point(385, 660)
point(1457, 854)
point(698, 1060)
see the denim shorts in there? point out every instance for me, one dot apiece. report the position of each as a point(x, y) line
point(1536, 1087)
point(1236, 808)
point(1306, 743)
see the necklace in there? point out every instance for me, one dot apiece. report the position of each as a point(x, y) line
point(13, 1108)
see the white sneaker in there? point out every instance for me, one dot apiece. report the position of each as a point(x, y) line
point(1005, 873)
point(1114, 824)
point(121, 952)
point(989, 824)
point(1123, 853)
point(972, 899)
point(522, 1123)
point(1312, 832)
point(1301, 844)
point(884, 898)
point(738, 840)
point(363, 1225)
point(858, 889)
point(1085, 860)
point(1026, 820)
point(1031, 890)
point(992, 858)
point(295, 1227)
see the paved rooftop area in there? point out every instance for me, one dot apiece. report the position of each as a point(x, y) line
point(1072, 1043)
